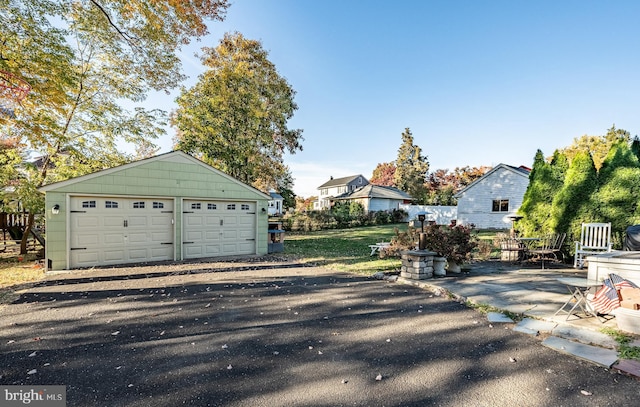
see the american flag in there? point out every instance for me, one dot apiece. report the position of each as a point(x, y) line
point(606, 298)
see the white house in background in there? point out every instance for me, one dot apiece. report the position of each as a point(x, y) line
point(488, 201)
point(376, 197)
point(337, 186)
point(275, 204)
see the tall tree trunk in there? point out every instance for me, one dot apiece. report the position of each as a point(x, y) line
point(26, 233)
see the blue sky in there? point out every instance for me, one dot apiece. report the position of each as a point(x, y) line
point(477, 82)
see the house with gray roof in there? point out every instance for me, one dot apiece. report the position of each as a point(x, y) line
point(338, 186)
point(275, 204)
point(376, 197)
point(488, 202)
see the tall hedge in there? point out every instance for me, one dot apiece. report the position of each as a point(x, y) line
point(619, 188)
point(574, 204)
point(545, 181)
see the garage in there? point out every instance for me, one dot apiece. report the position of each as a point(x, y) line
point(168, 207)
point(218, 228)
point(117, 230)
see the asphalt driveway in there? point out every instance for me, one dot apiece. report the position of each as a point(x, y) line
point(269, 334)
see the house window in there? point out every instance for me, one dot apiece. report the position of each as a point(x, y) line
point(244, 207)
point(231, 207)
point(158, 205)
point(88, 204)
point(138, 205)
point(500, 205)
point(111, 204)
point(196, 205)
point(324, 191)
point(212, 206)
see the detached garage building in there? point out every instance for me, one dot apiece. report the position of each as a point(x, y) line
point(168, 207)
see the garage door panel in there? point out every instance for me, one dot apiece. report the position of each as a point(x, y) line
point(194, 220)
point(137, 221)
point(86, 222)
point(213, 221)
point(113, 255)
point(245, 234)
point(113, 238)
point(106, 231)
point(160, 237)
point(160, 221)
point(113, 221)
point(138, 254)
point(138, 238)
point(212, 236)
point(193, 235)
point(229, 234)
point(230, 221)
point(219, 223)
point(246, 248)
point(192, 251)
point(162, 251)
point(85, 257)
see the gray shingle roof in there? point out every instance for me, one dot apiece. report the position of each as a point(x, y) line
point(376, 191)
point(335, 182)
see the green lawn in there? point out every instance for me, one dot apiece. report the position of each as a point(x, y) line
point(343, 249)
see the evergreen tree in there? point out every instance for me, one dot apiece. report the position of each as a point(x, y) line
point(574, 204)
point(545, 181)
point(635, 146)
point(619, 188)
point(411, 168)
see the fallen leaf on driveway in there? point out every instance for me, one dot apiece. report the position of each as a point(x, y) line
point(586, 393)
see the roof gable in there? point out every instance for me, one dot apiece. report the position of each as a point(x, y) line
point(521, 171)
point(174, 157)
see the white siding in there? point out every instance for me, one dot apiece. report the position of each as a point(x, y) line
point(475, 203)
point(377, 204)
point(442, 215)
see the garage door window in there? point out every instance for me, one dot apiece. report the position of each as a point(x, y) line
point(158, 205)
point(231, 207)
point(196, 205)
point(110, 204)
point(138, 205)
point(245, 207)
point(88, 204)
point(212, 207)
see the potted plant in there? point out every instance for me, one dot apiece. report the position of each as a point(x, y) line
point(436, 240)
point(461, 241)
point(453, 242)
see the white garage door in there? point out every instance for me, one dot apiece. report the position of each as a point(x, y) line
point(105, 231)
point(218, 228)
